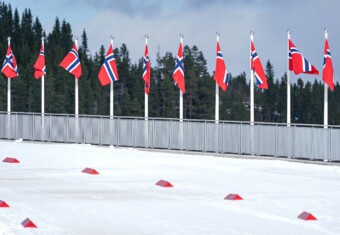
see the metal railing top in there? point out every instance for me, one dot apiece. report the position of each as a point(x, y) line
point(173, 119)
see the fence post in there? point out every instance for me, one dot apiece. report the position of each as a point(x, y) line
point(330, 144)
point(222, 141)
point(67, 128)
point(132, 135)
point(16, 126)
point(101, 131)
point(311, 146)
point(118, 136)
point(50, 127)
point(205, 136)
point(33, 127)
point(241, 138)
point(275, 140)
point(293, 142)
point(153, 132)
point(169, 133)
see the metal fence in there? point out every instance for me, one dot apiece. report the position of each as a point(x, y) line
point(269, 139)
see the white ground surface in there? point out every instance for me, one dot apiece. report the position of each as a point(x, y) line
point(49, 188)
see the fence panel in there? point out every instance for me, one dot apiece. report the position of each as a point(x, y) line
point(334, 145)
point(25, 126)
point(163, 131)
point(284, 141)
point(38, 126)
point(265, 141)
point(320, 146)
point(92, 130)
point(58, 129)
point(140, 129)
point(308, 141)
point(231, 138)
point(211, 137)
point(194, 136)
point(303, 142)
point(247, 146)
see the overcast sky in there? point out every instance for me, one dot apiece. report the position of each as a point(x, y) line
point(199, 20)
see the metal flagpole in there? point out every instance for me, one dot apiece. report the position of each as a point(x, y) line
point(251, 84)
point(43, 86)
point(288, 84)
point(146, 107)
point(217, 90)
point(146, 100)
point(43, 98)
point(9, 86)
point(111, 87)
point(76, 87)
point(111, 102)
point(325, 110)
point(180, 91)
point(8, 100)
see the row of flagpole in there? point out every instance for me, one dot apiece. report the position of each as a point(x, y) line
point(108, 74)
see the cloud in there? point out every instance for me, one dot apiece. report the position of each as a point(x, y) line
point(199, 20)
point(131, 8)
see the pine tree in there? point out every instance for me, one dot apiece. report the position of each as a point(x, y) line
point(26, 33)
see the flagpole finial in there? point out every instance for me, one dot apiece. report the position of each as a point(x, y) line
point(251, 32)
point(288, 32)
point(76, 42)
point(9, 38)
point(217, 36)
point(42, 38)
point(326, 30)
point(326, 33)
point(112, 37)
point(146, 36)
point(181, 36)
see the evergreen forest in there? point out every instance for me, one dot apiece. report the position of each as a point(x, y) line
point(199, 101)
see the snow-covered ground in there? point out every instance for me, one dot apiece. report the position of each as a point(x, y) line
point(49, 188)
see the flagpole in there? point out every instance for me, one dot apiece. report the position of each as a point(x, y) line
point(43, 85)
point(111, 87)
point(288, 83)
point(76, 88)
point(180, 91)
point(9, 86)
point(42, 97)
point(217, 91)
point(325, 111)
point(251, 85)
point(146, 100)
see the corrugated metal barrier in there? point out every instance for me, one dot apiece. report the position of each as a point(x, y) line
point(270, 139)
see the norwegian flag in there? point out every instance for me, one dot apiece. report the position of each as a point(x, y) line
point(9, 67)
point(256, 66)
point(221, 73)
point(327, 72)
point(146, 70)
point(39, 66)
point(297, 63)
point(178, 75)
point(108, 72)
point(71, 62)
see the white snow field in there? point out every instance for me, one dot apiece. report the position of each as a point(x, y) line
point(48, 187)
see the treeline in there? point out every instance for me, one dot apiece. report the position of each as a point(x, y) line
point(26, 32)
